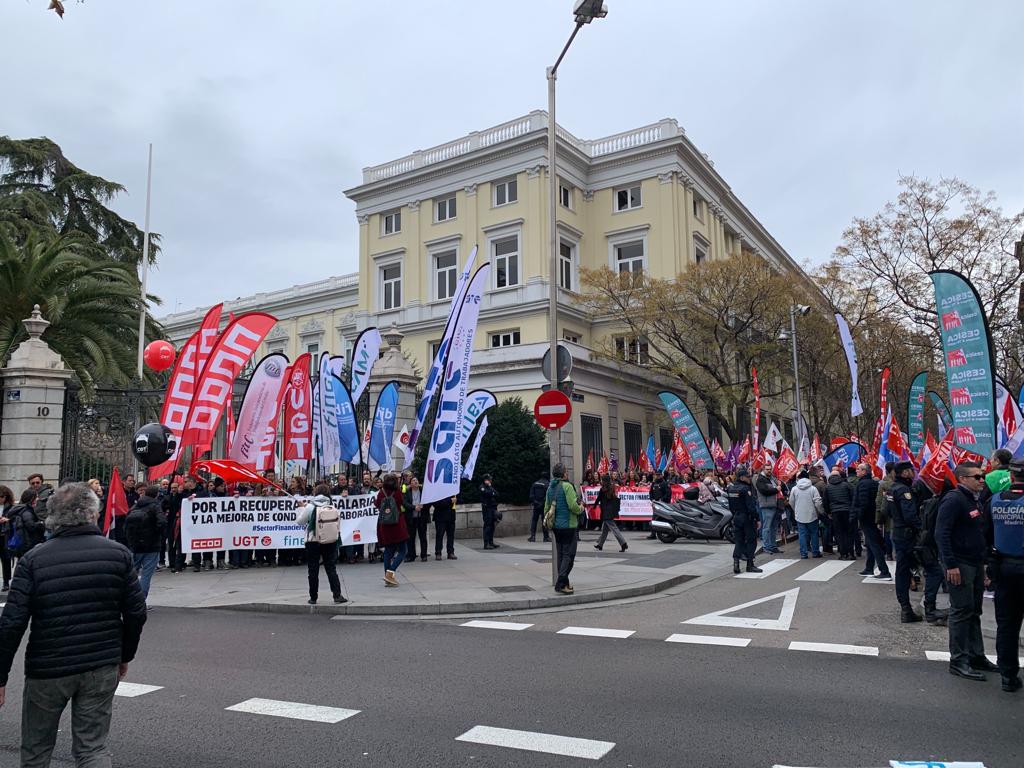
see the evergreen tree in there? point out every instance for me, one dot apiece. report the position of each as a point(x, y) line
point(514, 453)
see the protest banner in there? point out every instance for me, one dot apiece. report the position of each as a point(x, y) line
point(217, 523)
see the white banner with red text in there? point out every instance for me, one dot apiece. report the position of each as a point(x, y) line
point(634, 501)
point(218, 523)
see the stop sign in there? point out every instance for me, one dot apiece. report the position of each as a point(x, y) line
point(553, 409)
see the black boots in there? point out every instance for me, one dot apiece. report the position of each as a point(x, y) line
point(751, 568)
point(966, 672)
point(1011, 684)
point(735, 565)
point(936, 616)
point(908, 615)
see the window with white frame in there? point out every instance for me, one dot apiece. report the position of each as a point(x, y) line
point(390, 286)
point(444, 209)
point(565, 196)
point(505, 191)
point(572, 336)
point(700, 249)
point(446, 270)
point(505, 256)
point(628, 198)
point(632, 349)
point(630, 256)
point(565, 265)
point(504, 339)
point(391, 222)
point(314, 358)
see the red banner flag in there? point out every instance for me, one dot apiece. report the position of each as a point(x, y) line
point(298, 416)
point(230, 471)
point(816, 454)
point(744, 455)
point(757, 407)
point(936, 469)
point(786, 466)
point(117, 502)
point(590, 460)
point(602, 466)
point(235, 346)
point(876, 443)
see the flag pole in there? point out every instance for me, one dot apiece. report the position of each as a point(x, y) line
point(145, 265)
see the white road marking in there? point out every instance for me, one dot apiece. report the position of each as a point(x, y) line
point(772, 566)
point(496, 625)
point(293, 710)
point(872, 580)
point(549, 743)
point(720, 619)
point(944, 656)
point(131, 690)
point(856, 650)
point(596, 632)
point(825, 571)
point(737, 642)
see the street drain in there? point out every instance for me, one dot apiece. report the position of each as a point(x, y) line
point(513, 588)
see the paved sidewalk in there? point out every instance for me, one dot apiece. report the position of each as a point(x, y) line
point(516, 576)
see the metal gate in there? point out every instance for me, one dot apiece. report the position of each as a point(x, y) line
point(98, 430)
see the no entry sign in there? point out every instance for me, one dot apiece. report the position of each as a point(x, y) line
point(553, 409)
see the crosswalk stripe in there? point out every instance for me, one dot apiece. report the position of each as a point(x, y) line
point(131, 690)
point(772, 566)
point(825, 571)
point(736, 642)
point(597, 632)
point(872, 580)
point(479, 624)
point(944, 656)
point(531, 741)
point(293, 710)
point(856, 650)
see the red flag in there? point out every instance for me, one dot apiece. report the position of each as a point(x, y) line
point(117, 502)
point(816, 454)
point(787, 465)
point(744, 455)
point(630, 465)
point(757, 407)
point(657, 458)
point(230, 471)
point(682, 456)
point(234, 347)
point(182, 384)
point(936, 469)
point(298, 415)
point(602, 466)
point(835, 442)
point(876, 443)
point(590, 460)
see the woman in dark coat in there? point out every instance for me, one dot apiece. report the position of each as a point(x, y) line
point(392, 536)
point(608, 501)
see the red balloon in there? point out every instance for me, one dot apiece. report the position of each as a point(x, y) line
point(159, 355)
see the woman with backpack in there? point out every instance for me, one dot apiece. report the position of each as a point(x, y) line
point(26, 528)
point(322, 524)
point(608, 502)
point(392, 532)
point(6, 502)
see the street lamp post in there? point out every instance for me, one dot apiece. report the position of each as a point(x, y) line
point(585, 11)
point(794, 309)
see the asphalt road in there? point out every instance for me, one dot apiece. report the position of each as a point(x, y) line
point(419, 685)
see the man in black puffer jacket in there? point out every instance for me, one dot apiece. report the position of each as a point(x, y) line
point(839, 505)
point(87, 613)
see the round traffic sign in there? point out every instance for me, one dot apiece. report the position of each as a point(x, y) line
point(553, 409)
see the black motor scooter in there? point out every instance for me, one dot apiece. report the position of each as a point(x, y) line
point(692, 520)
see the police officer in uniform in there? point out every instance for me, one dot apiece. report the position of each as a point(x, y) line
point(1006, 570)
point(744, 521)
point(904, 511)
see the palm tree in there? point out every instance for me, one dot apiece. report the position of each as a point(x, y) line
point(92, 305)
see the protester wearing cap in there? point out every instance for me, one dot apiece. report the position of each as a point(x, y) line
point(744, 520)
point(1005, 534)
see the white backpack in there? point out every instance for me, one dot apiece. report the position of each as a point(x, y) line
point(328, 525)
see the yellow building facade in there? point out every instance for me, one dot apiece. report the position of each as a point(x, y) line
point(646, 199)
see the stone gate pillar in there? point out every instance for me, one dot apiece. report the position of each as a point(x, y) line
point(33, 384)
point(393, 366)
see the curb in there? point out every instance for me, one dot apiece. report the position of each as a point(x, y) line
point(440, 609)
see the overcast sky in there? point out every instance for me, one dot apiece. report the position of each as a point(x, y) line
point(261, 113)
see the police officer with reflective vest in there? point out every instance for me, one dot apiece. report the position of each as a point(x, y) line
point(904, 511)
point(744, 521)
point(1006, 570)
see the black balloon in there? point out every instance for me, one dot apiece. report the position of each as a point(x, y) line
point(154, 444)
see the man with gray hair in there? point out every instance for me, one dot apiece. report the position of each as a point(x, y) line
point(87, 612)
